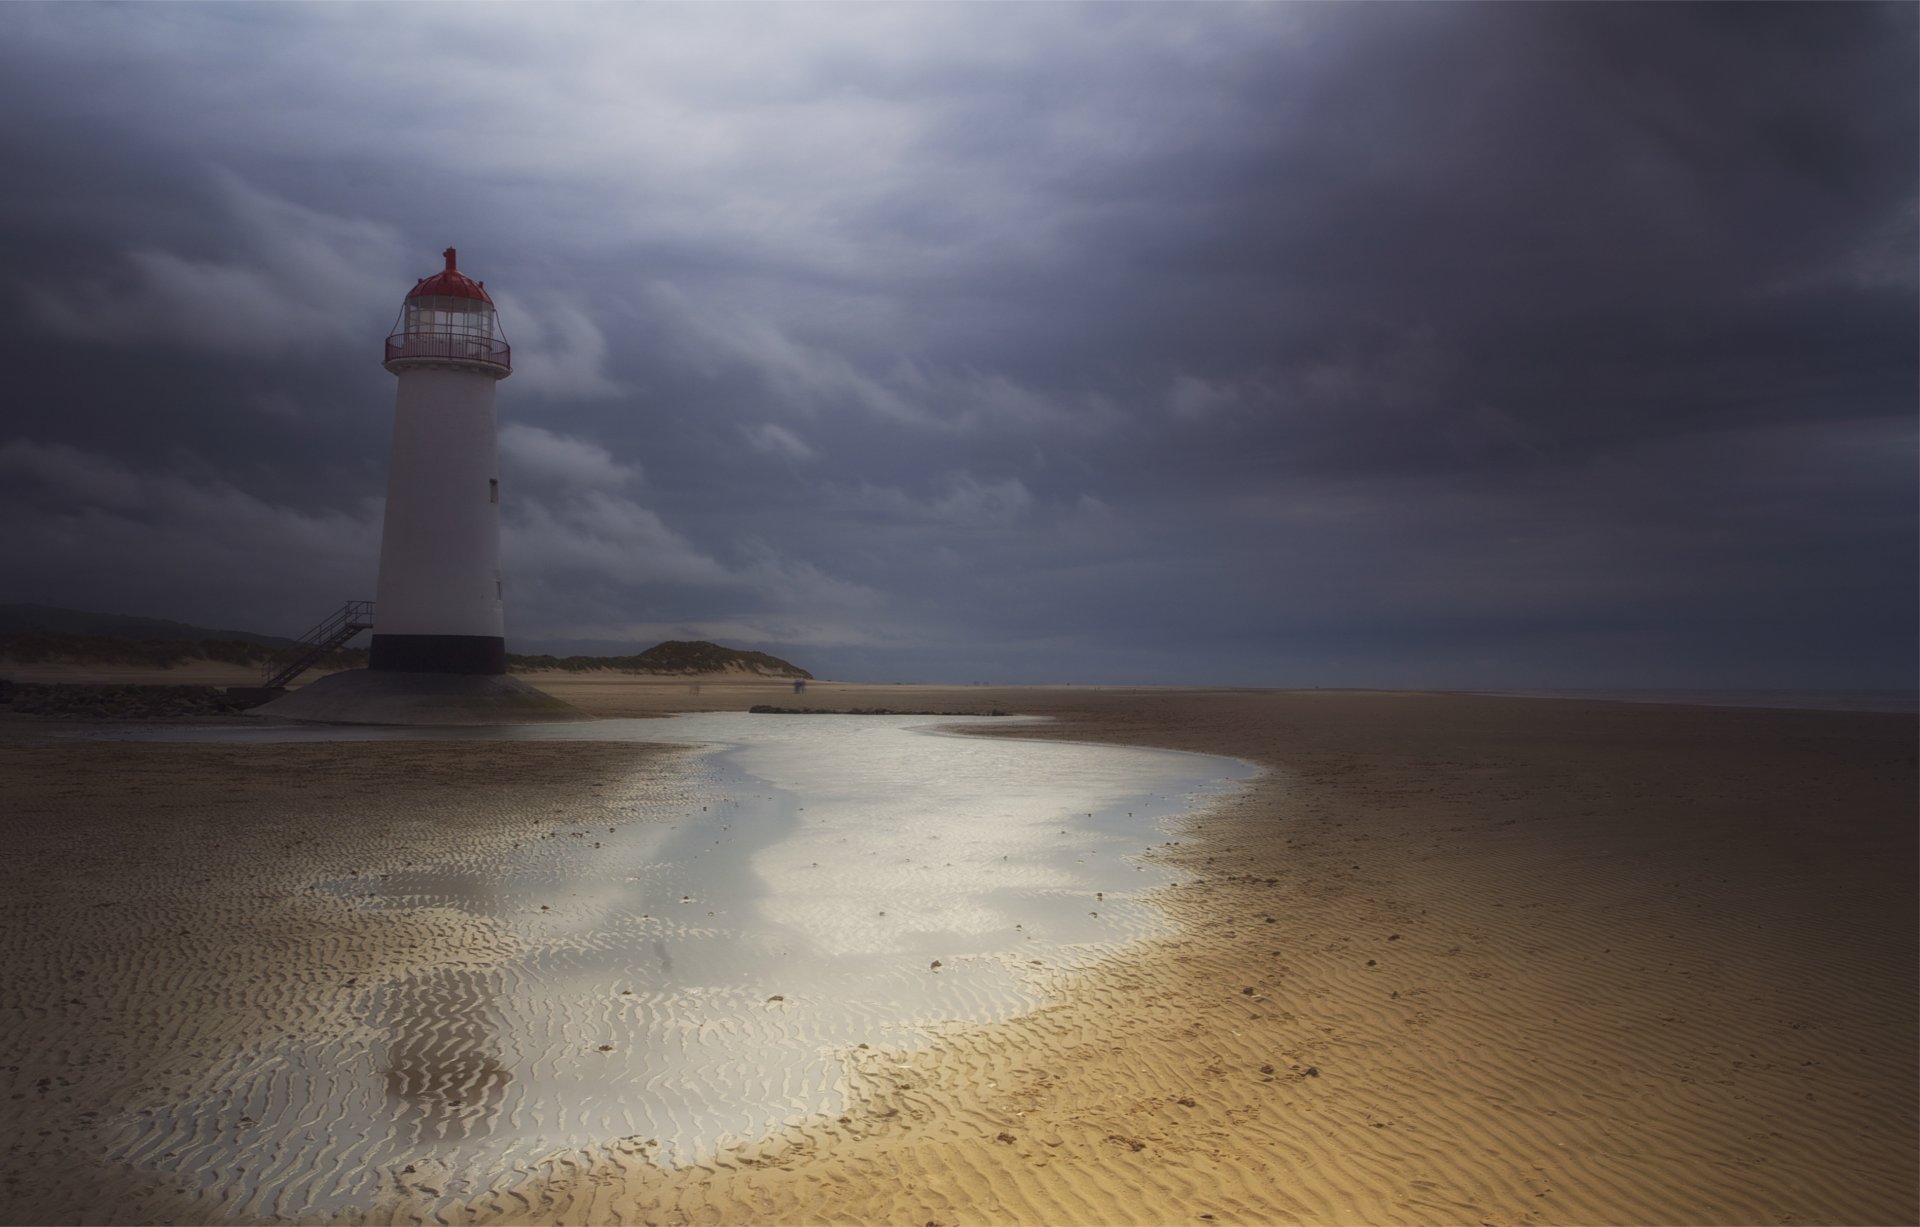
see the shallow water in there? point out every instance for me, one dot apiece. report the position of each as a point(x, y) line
point(678, 985)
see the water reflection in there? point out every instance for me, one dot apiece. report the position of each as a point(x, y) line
point(834, 882)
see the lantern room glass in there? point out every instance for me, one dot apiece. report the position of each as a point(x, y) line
point(437, 326)
point(450, 319)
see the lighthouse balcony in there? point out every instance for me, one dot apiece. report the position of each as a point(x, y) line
point(490, 352)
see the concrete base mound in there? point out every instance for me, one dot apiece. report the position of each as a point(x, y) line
point(363, 696)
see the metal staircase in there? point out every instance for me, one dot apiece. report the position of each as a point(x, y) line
point(338, 627)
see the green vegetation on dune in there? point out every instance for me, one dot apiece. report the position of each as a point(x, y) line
point(35, 648)
point(135, 642)
point(676, 656)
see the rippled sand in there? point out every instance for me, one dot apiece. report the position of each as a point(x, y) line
point(1448, 960)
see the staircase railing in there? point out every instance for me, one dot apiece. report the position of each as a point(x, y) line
point(333, 631)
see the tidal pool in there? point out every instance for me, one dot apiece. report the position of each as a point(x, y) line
point(676, 986)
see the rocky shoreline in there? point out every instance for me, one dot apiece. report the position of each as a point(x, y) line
point(75, 701)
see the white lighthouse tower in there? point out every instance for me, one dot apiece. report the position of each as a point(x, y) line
point(438, 606)
point(439, 652)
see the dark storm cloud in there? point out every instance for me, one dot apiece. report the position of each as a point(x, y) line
point(1436, 344)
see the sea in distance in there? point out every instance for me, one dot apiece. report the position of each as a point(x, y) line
point(1898, 701)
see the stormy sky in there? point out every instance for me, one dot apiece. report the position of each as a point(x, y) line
point(1434, 345)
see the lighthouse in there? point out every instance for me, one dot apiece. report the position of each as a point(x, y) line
point(439, 653)
point(437, 608)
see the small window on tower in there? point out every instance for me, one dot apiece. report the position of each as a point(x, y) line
point(493, 489)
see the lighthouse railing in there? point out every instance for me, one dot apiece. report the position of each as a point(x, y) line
point(460, 348)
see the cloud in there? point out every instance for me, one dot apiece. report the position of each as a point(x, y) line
point(87, 528)
point(587, 564)
point(792, 373)
point(297, 278)
point(1884, 256)
point(964, 502)
point(772, 439)
point(1888, 256)
point(1193, 399)
point(600, 539)
point(833, 377)
point(559, 350)
point(943, 331)
point(546, 458)
point(974, 503)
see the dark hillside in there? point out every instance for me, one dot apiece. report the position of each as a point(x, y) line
point(34, 634)
point(676, 656)
point(50, 620)
point(159, 653)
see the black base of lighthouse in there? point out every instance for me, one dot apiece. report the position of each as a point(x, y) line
point(477, 654)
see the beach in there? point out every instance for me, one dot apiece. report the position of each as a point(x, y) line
point(1442, 959)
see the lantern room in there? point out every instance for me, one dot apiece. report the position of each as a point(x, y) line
point(448, 319)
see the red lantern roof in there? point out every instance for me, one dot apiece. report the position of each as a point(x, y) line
point(450, 283)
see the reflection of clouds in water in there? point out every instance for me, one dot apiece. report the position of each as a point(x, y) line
point(825, 862)
point(907, 838)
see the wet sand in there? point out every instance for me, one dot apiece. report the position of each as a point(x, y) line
point(1448, 959)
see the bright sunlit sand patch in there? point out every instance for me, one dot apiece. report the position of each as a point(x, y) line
point(832, 888)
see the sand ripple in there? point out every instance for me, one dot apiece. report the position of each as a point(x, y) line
point(424, 992)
